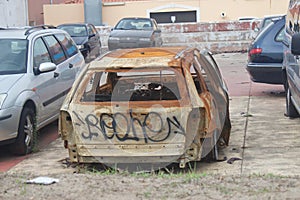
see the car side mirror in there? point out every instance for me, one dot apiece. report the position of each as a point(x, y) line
point(47, 67)
point(158, 31)
point(295, 44)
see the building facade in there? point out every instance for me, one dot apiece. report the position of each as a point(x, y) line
point(177, 11)
point(13, 13)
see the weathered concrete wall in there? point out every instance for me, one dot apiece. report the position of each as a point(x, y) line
point(230, 36)
point(233, 36)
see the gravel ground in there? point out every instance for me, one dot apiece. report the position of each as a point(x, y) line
point(183, 185)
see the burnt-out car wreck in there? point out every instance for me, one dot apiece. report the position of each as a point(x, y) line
point(147, 106)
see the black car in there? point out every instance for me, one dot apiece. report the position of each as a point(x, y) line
point(265, 54)
point(86, 38)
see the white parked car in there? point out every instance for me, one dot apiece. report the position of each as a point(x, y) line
point(38, 66)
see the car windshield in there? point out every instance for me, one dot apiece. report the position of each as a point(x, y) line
point(13, 56)
point(133, 85)
point(75, 30)
point(261, 33)
point(134, 24)
point(267, 21)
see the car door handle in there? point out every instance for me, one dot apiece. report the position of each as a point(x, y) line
point(56, 74)
point(71, 65)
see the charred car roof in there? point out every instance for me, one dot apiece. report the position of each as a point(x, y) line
point(142, 57)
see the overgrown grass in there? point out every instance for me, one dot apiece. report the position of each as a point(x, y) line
point(268, 175)
point(189, 174)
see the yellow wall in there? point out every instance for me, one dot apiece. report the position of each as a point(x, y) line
point(56, 14)
point(208, 10)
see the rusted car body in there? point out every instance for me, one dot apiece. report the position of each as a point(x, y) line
point(147, 105)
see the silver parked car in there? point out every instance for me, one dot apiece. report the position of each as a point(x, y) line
point(38, 66)
point(134, 33)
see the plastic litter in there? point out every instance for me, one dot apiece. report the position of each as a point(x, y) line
point(42, 181)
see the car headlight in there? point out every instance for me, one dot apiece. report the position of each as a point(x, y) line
point(113, 38)
point(2, 98)
point(80, 46)
point(145, 39)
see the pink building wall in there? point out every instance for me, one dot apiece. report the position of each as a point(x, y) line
point(35, 10)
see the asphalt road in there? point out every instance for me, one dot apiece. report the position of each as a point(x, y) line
point(263, 140)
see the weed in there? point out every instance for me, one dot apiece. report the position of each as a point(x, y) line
point(22, 186)
point(147, 195)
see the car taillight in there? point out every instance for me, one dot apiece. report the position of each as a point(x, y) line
point(255, 51)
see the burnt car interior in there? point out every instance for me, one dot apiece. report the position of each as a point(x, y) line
point(132, 86)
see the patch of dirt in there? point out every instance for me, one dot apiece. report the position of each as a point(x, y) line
point(187, 185)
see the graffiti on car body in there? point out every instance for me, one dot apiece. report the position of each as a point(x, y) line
point(132, 128)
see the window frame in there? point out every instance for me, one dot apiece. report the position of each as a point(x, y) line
point(57, 62)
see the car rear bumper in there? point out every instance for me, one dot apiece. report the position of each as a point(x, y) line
point(130, 153)
point(265, 73)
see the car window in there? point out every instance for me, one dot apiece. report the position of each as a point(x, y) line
point(13, 56)
point(75, 30)
point(67, 43)
point(131, 86)
point(40, 53)
point(262, 32)
point(155, 27)
point(265, 23)
point(55, 49)
point(138, 24)
point(280, 36)
point(208, 71)
point(91, 30)
point(200, 86)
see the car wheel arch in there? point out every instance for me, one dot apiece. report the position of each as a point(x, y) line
point(31, 105)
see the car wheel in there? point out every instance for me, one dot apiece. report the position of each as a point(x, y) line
point(290, 108)
point(26, 133)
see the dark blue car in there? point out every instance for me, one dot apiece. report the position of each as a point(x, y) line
point(265, 54)
point(86, 38)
